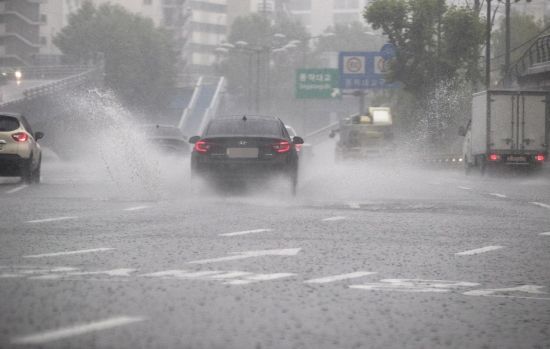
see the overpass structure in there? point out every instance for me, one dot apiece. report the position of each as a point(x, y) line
point(532, 70)
point(44, 81)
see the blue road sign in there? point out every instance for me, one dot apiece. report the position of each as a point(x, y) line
point(365, 70)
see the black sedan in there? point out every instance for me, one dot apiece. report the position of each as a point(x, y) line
point(245, 148)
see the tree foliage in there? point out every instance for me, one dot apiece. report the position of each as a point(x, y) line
point(139, 59)
point(434, 42)
point(351, 37)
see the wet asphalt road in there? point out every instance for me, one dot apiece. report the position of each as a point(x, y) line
point(378, 256)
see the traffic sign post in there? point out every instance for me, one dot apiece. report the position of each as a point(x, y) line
point(316, 83)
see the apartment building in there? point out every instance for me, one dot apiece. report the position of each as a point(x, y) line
point(208, 28)
point(19, 32)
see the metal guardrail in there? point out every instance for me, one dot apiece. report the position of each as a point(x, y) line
point(65, 83)
point(536, 54)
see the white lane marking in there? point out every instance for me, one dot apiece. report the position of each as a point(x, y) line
point(340, 277)
point(235, 277)
point(67, 253)
point(244, 232)
point(415, 285)
point(76, 330)
point(332, 219)
point(250, 254)
point(257, 278)
point(354, 205)
point(112, 272)
point(183, 274)
point(508, 292)
point(136, 208)
point(545, 234)
point(479, 250)
point(540, 204)
point(464, 188)
point(16, 189)
point(52, 219)
point(498, 195)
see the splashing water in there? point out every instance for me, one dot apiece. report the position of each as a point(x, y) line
point(112, 146)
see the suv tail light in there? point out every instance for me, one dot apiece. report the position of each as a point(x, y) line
point(539, 157)
point(20, 137)
point(202, 146)
point(281, 147)
point(494, 157)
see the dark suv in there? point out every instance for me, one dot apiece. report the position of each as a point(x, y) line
point(245, 148)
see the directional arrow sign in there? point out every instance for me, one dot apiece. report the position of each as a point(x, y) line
point(250, 254)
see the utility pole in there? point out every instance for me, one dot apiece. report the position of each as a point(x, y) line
point(488, 47)
point(507, 47)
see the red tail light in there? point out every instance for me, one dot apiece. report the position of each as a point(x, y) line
point(202, 146)
point(20, 137)
point(282, 147)
point(494, 157)
point(539, 157)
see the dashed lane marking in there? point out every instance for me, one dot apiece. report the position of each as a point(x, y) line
point(540, 204)
point(545, 234)
point(16, 189)
point(245, 232)
point(76, 330)
point(234, 277)
point(498, 195)
point(136, 208)
point(464, 188)
point(327, 279)
point(479, 250)
point(66, 253)
point(354, 205)
point(415, 285)
point(52, 219)
point(250, 254)
point(332, 219)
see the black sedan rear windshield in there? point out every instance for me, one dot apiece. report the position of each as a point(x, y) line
point(239, 127)
point(8, 123)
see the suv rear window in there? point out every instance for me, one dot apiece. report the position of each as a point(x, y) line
point(8, 123)
point(250, 127)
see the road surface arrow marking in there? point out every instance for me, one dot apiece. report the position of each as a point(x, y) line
point(250, 254)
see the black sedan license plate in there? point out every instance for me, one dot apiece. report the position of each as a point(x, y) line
point(242, 153)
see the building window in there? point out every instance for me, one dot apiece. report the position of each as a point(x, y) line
point(300, 5)
point(44, 19)
point(346, 4)
point(147, 2)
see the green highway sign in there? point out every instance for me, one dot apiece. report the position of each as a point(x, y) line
point(317, 83)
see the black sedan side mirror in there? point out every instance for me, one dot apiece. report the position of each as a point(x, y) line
point(461, 131)
point(38, 135)
point(194, 139)
point(298, 140)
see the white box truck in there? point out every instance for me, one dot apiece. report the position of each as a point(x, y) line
point(513, 130)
